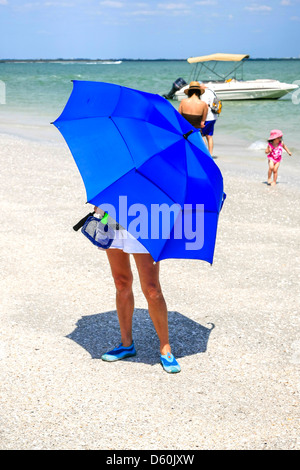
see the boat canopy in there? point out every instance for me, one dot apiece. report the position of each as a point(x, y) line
point(218, 57)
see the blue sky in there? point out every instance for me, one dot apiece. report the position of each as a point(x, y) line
point(148, 29)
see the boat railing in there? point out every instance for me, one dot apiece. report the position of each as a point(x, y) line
point(197, 71)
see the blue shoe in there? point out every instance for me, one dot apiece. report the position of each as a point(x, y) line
point(119, 353)
point(169, 363)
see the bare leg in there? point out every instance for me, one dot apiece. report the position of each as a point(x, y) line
point(149, 279)
point(275, 173)
point(270, 171)
point(121, 271)
point(210, 143)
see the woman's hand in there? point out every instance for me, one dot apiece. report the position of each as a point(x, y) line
point(98, 210)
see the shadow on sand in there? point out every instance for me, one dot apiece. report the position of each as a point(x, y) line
point(100, 332)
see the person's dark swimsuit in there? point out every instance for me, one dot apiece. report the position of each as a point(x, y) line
point(193, 119)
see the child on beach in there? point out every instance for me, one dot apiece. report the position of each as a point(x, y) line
point(274, 151)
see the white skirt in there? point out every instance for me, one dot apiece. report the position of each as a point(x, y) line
point(125, 241)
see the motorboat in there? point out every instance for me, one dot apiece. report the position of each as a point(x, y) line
point(228, 87)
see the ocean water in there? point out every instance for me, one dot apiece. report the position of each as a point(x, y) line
point(35, 95)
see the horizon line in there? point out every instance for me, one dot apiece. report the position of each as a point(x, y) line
point(81, 59)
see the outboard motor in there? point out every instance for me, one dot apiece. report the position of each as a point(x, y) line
point(177, 85)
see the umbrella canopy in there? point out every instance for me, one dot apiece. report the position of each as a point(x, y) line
point(133, 148)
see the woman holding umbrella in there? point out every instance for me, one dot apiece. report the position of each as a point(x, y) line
point(119, 260)
point(125, 142)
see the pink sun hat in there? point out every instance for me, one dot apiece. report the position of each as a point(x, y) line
point(274, 134)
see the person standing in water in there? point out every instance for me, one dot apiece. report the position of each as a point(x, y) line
point(193, 109)
point(208, 130)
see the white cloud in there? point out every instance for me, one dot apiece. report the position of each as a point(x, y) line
point(285, 2)
point(173, 6)
point(206, 2)
point(142, 13)
point(3, 2)
point(112, 4)
point(174, 9)
point(29, 5)
point(59, 4)
point(257, 7)
point(41, 5)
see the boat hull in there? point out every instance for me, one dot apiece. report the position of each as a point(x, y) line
point(235, 90)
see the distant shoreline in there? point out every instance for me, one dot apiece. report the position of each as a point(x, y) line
point(60, 60)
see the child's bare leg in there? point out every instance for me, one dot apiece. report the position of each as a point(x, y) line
point(275, 173)
point(270, 171)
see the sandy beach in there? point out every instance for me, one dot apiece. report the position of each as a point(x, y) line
point(234, 326)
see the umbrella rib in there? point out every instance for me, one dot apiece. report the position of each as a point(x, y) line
point(111, 184)
point(111, 117)
point(141, 174)
point(168, 197)
point(154, 184)
point(144, 120)
point(133, 158)
point(174, 130)
point(123, 139)
point(211, 185)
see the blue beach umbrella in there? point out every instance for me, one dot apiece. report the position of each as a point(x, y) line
point(135, 152)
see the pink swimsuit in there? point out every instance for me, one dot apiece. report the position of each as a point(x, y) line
point(276, 153)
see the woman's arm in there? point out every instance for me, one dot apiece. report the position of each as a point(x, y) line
point(268, 150)
point(204, 114)
point(180, 107)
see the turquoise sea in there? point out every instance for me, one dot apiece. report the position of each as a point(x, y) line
point(36, 92)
